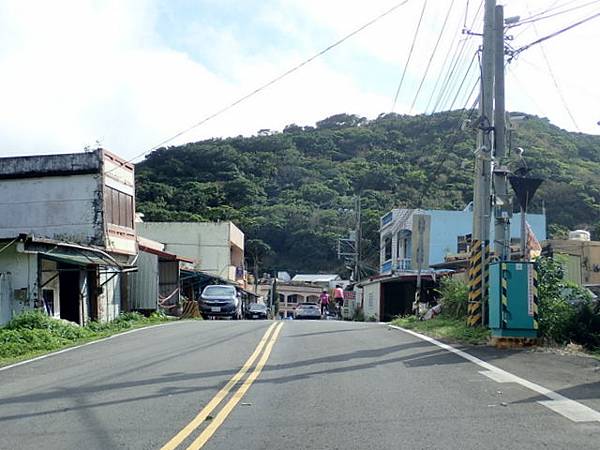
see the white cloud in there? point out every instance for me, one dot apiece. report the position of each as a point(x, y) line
point(77, 71)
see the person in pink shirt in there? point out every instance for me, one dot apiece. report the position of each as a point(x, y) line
point(324, 298)
point(338, 298)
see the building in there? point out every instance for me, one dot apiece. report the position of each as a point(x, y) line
point(385, 297)
point(215, 248)
point(66, 234)
point(443, 233)
point(582, 259)
point(85, 198)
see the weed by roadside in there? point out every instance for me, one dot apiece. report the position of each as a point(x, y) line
point(33, 333)
point(444, 327)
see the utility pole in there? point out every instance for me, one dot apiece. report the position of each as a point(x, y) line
point(502, 203)
point(479, 259)
point(357, 242)
point(420, 251)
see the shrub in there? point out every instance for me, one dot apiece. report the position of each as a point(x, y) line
point(566, 311)
point(454, 297)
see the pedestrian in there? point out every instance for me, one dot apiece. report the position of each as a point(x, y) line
point(324, 298)
point(338, 298)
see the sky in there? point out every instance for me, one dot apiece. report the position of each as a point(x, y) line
point(130, 74)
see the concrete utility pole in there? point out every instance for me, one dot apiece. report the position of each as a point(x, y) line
point(502, 203)
point(420, 251)
point(357, 243)
point(479, 260)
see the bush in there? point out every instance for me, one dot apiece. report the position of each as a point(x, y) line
point(34, 332)
point(566, 311)
point(454, 297)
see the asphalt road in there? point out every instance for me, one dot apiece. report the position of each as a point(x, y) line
point(302, 385)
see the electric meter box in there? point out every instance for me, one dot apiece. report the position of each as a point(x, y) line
point(513, 301)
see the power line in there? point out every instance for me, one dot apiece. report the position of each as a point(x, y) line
point(536, 18)
point(448, 148)
point(274, 80)
point(412, 47)
point(448, 53)
point(432, 56)
point(515, 53)
point(449, 73)
point(555, 81)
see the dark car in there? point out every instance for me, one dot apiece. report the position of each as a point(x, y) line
point(220, 300)
point(307, 311)
point(256, 311)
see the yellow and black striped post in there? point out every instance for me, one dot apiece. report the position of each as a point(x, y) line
point(534, 289)
point(478, 281)
point(504, 294)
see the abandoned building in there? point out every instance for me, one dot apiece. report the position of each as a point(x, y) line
point(66, 234)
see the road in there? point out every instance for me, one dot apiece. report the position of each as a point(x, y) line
point(302, 385)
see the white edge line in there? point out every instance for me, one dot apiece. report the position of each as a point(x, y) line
point(501, 372)
point(64, 350)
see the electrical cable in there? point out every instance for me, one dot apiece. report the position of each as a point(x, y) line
point(432, 56)
point(515, 53)
point(270, 83)
point(458, 52)
point(532, 20)
point(412, 47)
point(469, 116)
point(555, 81)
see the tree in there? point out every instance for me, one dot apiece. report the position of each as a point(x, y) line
point(256, 251)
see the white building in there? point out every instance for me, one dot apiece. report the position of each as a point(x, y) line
point(66, 234)
point(215, 248)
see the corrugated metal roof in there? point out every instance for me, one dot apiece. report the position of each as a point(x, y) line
point(316, 278)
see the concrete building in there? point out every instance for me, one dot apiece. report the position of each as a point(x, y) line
point(215, 248)
point(66, 234)
point(444, 233)
point(68, 281)
point(84, 198)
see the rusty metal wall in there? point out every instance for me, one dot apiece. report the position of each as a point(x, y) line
point(169, 279)
point(143, 284)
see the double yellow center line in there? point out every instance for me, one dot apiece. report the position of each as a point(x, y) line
point(266, 343)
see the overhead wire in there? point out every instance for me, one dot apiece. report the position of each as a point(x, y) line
point(271, 82)
point(437, 43)
point(534, 19)
point(412, 47)
point(450, 73)
point(516, 52)
point(555, 81)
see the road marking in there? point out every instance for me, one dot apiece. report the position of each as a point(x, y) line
point(218, 398)
point(571, 409)
point(64, 350)
point(218, 421)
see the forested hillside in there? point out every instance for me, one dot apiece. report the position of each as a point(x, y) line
point(294, 189)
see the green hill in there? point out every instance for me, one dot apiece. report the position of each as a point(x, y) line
point(294, 189)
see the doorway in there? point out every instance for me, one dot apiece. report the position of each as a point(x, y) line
point(69, 296)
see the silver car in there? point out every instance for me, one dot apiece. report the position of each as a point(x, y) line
point(307, 311)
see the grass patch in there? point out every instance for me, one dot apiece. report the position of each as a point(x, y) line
point(442, 327)
point(33, 333)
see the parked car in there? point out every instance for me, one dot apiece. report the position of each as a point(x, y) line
point(220, 300)
point(256, 311)
point(307, 311)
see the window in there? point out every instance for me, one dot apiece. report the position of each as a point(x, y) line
point(118, 207)
point(388, 248)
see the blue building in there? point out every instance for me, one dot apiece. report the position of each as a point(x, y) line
point(446, 233)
